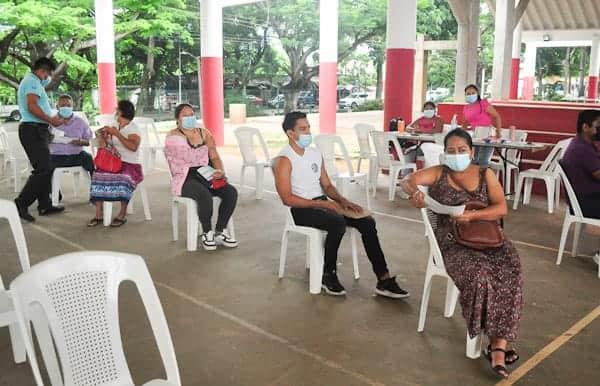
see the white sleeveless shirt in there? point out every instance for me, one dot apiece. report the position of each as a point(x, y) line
point(306, 171)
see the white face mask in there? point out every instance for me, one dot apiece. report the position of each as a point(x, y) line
point(429, 113)
point(457, 162)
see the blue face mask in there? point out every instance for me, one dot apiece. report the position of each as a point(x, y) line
point(46, 81)
point(65, 111)
point(471, 98)
point(457, 162)
point(429, 113)
point(189, 123)
point(304, 140)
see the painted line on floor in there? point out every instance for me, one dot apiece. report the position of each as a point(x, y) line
point(224, 314)
point(259, 331)
point(550, 348)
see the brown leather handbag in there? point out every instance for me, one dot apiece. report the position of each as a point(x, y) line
point(478, 234)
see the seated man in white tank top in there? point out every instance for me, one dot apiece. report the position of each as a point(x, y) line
point(303, 185)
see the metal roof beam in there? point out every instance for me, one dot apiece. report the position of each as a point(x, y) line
point(555, 14)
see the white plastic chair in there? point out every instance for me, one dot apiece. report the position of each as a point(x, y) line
point(15, 155)
point(327, 145)
point(432, 153)
point(314, 251)
point(436, 267)
point(385, 161)
point(576, 218)
point(76, 313)
point(107, 206)
point(362, 131)
point(512, 155)
point(76, 171)
point(8, 317)
point(150, 140)
point(245, 138)
point(194, 228)
point(105, 119)
point(547, 172)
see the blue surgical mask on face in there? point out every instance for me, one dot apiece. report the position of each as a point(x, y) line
point(189, 123)
point(471, 98)
point(304, 140)
point(429, 113)
point(65, 111)
point(46, 81)
point(457, 162)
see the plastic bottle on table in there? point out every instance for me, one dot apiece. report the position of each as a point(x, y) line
point(401, 125)
point(453, 122)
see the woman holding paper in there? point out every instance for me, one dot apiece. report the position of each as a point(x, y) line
point(489, 280)
point(197, 173)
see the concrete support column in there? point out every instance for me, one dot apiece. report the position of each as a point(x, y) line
point(515, 63)
point(105, 56)
point(400, 60)
point(529, 71)
point(592, 91)
point(503, 39)
point(466, 13)
point(328, 52)
point(211, 68)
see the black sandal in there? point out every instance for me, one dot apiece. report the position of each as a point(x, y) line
point(117, 222)
point(499, 370)
point(510, 357)
point(93, 222)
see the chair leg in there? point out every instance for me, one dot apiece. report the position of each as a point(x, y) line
point(358, 166)
point(576, 236)
point(131, 204)
point(242, 177)
point(424, 301)
point(451, 298)
point(145, 203)
point(557, 193)
point(107, 213)
point(563, 238)
point(368, 193)
point(18, 343)
point(175, 220)
point(354, 253)
point(192, 228)
point(231, 228)
point(308, 251)
point(76, 183)
point(283, 252)
point(527, 191)
point(473, 346)
point(56, 175)
point(316, 264)
point(518, 193)
point(550, 194)
point(260, 176)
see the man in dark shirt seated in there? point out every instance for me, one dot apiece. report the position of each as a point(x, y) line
point(581, 163)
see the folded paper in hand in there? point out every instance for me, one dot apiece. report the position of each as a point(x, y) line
point(206, 172)
point(63, 140)
point(438, 208)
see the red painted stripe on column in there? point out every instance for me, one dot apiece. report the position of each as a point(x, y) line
point(528, 87)
point(592, 93)
point(399, 76)
point(107, 88)
point(327, 96)
point(212, 97)
point(514, 79)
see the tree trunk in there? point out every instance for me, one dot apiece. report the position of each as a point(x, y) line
point(146, 78)
point(582, 72)
point(567, 70)
point(379, 86)
point(291, 99)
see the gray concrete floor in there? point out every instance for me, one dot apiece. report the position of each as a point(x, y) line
point(234, 323)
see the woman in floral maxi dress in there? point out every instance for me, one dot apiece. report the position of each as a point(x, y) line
point(490, 281)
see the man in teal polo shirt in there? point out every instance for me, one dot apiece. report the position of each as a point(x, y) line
point(35, 136)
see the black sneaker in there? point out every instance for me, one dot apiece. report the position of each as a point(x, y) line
point(50, 210)
point(332, 285)
point(389, 288)
point(23, 212)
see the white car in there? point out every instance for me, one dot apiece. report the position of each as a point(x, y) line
point(10, 111)
point(353, 100)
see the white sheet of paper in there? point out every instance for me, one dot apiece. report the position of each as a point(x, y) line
point(441, 208)
point(206, 172)
point(58, 133)
point(63, 140)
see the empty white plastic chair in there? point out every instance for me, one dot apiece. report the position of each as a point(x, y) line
point(436, 267)
point(327, 145)
point(432, 153)
point(15, 156)
point(194, 228)
point(76, 171)
point(150, 140)
point(576, 218)
point(513, 156)
point(548, 173)
point(385, 161)
point(8, 317)
point(246, 141)
point(314, 251)
point(363, 131)
point(76, 316)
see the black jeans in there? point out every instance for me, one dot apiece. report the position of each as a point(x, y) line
point(195, 188)
point(35, 138)
point(590, 205)
point(335, 226)
point(83, 159)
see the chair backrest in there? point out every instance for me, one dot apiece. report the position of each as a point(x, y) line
point(4, 146)
point(549, 164)
point(430, 220)
point(149, 131)
point(76, 295)
point(245, 138)
point(432, 153)
point(362, 135)
point(327, 145)
point(381, 141)
point(105, 119)
point(570, 192)
point(15, 148)
point(8, 210)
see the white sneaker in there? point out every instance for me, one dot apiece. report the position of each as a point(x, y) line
point(208, 241)
point(225, 240)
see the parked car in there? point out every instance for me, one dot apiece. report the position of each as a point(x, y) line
point(437, 95)
point(277, 102)
point(307, 99)
point(10, 111)
point(353, 100)
point(256, 101)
